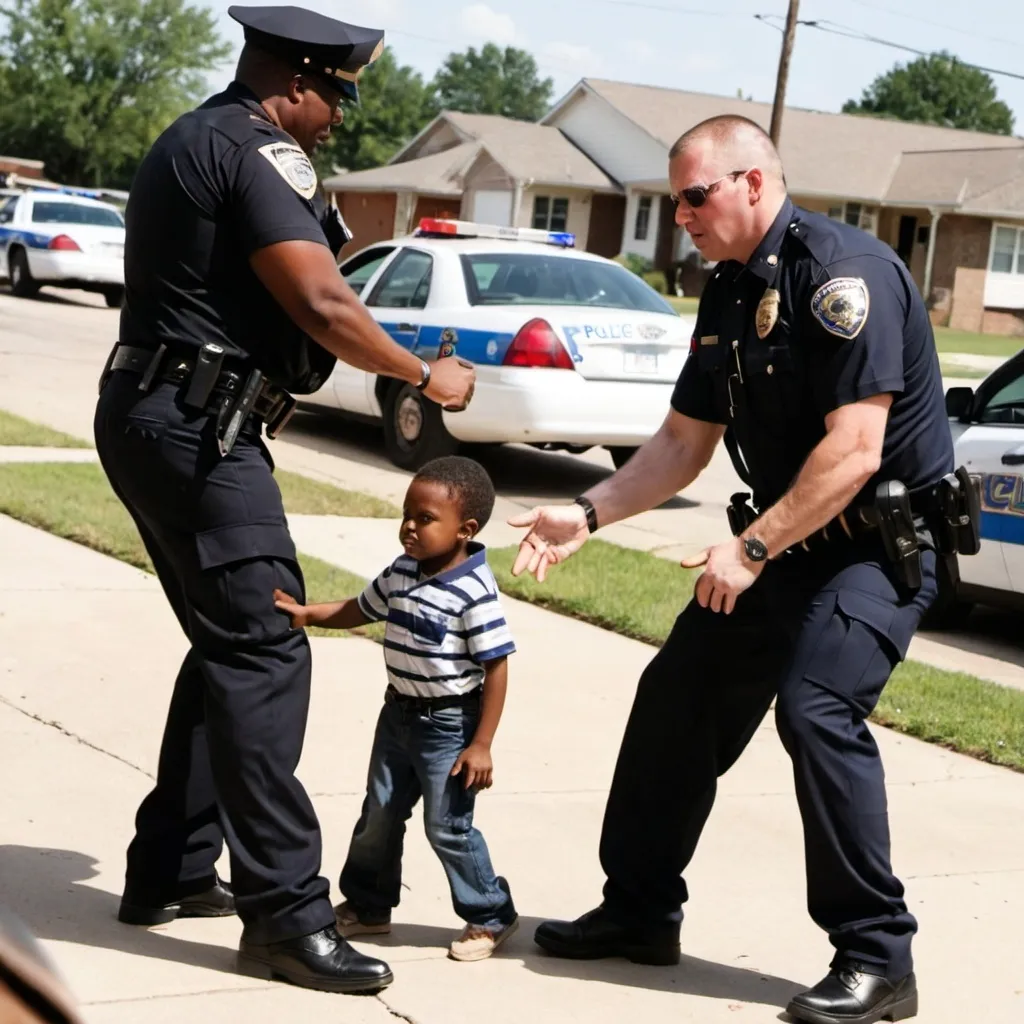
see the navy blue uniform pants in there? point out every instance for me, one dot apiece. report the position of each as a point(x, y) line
point(215, 530)
point(819, 634)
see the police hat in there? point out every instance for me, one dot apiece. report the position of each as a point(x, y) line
point(314, 43)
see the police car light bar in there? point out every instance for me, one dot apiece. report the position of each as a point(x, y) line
point(468, 229)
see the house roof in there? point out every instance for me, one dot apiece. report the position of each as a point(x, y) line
point(986, 182)
point(841, 155)
point(439, 174)
point(528, 152)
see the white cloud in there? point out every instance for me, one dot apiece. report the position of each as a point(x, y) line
point(570, 56)
point(484, 23)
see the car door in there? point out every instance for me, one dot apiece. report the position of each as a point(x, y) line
point(347, 388)
point(7, 205)
point(398, 299)
point(992, 449)
point(1001, 416)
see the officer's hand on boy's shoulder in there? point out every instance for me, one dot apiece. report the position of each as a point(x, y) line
point(296, 612)
point(476, 765)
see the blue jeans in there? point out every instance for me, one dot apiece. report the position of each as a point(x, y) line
point(414, 750)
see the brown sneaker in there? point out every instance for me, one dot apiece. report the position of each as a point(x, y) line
point(478, 942)
point(351, 922)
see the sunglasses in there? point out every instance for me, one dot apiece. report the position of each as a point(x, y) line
point(697, 195)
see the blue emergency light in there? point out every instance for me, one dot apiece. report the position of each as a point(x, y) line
point(435, 226)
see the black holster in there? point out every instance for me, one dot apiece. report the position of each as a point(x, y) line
point(740, 512)
point(899, 531)
point(958, 518)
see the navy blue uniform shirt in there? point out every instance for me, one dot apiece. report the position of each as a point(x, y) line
point(218, 184)
point(822, 315)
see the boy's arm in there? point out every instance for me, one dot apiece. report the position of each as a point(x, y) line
point(475, 761)
point(345, 614)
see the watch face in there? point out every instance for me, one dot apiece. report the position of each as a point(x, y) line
point(755, 549)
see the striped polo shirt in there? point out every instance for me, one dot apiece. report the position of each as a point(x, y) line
point(441, 630)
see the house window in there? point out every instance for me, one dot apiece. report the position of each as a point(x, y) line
point(1007, 251)
point(550, 214)
point(643, 218)
point(855, 214)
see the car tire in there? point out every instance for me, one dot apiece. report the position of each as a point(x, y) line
point(414, 431)
point(114, 297)
point(23, 284)
point(621, 455)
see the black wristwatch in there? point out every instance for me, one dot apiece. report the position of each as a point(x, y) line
point(755, 549)
point(422, 386)
point(588, 506)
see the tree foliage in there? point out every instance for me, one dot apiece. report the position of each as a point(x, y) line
point(493, 81)
point(88, 85)
point(937, 89)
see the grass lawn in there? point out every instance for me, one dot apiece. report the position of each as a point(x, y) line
point(947, 340)
point(640, 595)
point(629, 592)
point(16, 432)
point(303, 496)
point(684, 305)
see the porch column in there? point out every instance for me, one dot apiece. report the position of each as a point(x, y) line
point(929, 260)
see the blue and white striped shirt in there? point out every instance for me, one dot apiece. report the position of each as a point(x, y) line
point(441, 630)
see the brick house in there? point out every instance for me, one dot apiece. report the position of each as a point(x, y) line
point(950, 202)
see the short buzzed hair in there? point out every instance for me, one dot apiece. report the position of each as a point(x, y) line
point(466, 481)
point(731, 132)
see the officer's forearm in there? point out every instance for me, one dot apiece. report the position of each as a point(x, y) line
point(304, 279)
point(830, 479)
point(668, 463)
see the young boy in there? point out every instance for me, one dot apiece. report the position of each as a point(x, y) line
point(446, 647)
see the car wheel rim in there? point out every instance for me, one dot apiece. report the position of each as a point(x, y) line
point(409, 419)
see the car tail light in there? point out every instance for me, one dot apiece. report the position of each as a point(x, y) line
point(65, 243)
point(536, 344)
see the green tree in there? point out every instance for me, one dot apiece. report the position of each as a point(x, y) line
point(394, 104)
point(88, 85)
point(493, 81)
point(937, 89)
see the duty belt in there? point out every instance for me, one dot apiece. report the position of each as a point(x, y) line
point(232, 396)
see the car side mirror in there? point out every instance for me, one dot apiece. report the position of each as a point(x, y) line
point(958, 402)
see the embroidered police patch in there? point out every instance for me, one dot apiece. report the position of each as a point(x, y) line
point(841, 306)
point(293, 165)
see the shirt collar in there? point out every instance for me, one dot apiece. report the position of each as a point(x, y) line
point(477, 557)
point(765, 259)
point(241, 92)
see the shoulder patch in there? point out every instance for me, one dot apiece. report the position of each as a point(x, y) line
point(841, 306)
point(293, 165)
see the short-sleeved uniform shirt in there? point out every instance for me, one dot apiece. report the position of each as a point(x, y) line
point(441, 630)
point(822, 315)
point(218, 184)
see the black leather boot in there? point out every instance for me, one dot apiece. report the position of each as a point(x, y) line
point(214, 901)
point(323, 960)
point(849, 996)
point(595, 936)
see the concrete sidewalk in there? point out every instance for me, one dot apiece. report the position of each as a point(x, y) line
point(80, 723)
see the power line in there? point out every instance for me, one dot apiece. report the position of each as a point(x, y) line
point(841, 30)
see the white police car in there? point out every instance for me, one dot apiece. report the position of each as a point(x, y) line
point(61, 238)
point(572, 350)
point(988, 434)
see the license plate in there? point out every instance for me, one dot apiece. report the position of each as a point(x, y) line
point(638, 361)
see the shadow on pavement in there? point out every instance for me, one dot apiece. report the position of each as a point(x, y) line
point(692, 976)
point(47, 889)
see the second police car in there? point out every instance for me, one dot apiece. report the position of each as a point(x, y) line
point(63, 238)
point(572, 350)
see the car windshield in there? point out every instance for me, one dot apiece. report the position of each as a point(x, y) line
point(50, 212)
point(530, 279)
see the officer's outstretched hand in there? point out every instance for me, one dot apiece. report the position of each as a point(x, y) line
point(452, 381)
point(556, 533)
point(727, 573)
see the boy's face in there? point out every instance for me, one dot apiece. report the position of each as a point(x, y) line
point(432, 523)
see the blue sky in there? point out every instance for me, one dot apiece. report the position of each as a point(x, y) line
point(712, 46)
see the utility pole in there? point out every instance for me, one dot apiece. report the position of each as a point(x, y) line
point(783, 75)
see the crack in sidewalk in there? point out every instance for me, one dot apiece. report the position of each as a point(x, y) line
point(73, 735)
point(394, 1012)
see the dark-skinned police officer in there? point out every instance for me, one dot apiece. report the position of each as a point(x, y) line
point(814, 349)
point(233, 304)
